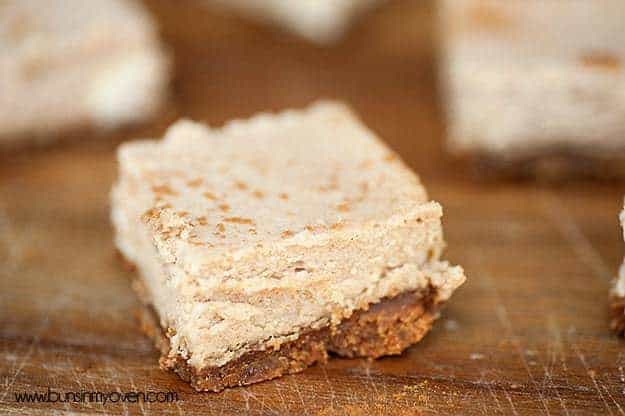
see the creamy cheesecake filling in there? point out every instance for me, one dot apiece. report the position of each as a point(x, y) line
point(250, 234)
point(215, 320)
point(66, 64)
point(517, 87)
point(105, 91)
point(128, 89)
point(618, 289)
point(538, 107)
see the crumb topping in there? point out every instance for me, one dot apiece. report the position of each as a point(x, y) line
point(209, 195)
point(489, 18)
point(239, 220)
point(337, 225)
point(601, 60)
point(163, 190)
point(327, 179)
point(343, 207)
point(242, 186)
point(390, 157)
point(194, 183)
point(366, 164)
point(220, 230)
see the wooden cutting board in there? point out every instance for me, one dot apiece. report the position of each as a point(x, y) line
point(527, 334)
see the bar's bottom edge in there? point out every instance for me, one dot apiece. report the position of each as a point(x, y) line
point(551, 165)
point(73, 132)
point(617, 314)
point(387, 327)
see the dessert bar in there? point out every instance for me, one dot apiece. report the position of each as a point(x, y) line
point(264, 245)
point(617, 294)
point(68, 64)
point(534, 86)
point(320, 21)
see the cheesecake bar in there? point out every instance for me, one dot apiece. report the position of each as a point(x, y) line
point(617, 294)
point(319, 21)
point(67, 64)
point(266, 244)
point(535, 85)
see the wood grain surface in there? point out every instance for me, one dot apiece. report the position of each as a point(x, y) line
point(527, 334)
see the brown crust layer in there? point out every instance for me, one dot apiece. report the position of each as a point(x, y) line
point(550, 166)
point(617, 311)
point(76, 131)
point(385, 328)
point(70, 134)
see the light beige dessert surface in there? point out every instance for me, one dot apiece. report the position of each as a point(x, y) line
point(248, 234)
point(321, 21)
point(72, 63)
point(619, 287)
point(525, 76)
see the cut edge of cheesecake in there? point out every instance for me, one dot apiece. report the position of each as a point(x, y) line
point(554, 165)
point(371, 326)
point(617, 293)
point(387, 327)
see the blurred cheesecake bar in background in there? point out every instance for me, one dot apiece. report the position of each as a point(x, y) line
point(271, 242)
point(320, 21)
point(618, 292)
point(536, 86)
point(73, 63)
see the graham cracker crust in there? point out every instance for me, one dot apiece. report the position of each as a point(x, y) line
point(74, 133)
point(384, 328)
point(549, 166)
point(617, 311)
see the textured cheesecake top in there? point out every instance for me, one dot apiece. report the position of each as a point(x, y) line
point(251, 233)
point(274, 180)
point(588, 32)
point(55, 30)
point(526, 77)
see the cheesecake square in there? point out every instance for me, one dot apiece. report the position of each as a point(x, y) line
point(266, 244)
point(534, 86)
point(70, 64)
point(617, 294)
point(319, 21)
